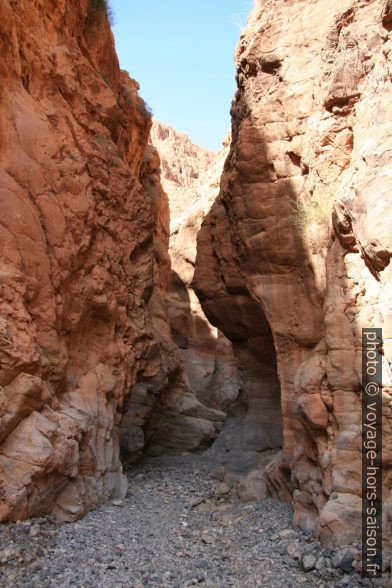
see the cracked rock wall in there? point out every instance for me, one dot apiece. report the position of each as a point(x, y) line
point(297, 247)
point(76, 243)
point(162, 412)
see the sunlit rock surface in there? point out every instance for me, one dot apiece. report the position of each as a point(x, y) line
point(84, 229)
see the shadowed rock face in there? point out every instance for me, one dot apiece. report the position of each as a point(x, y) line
point(191, 178)
point(293, 260)
point(163, 412)
point(294, 256)
point(253, 427)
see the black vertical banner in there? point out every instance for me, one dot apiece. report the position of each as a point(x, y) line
point(372, 453)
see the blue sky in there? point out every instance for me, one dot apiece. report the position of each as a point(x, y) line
point(181, 53)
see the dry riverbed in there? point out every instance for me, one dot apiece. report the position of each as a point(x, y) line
point(172, 531)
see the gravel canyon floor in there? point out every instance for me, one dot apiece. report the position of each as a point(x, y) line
point(172, 530)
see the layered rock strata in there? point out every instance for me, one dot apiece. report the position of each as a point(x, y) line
point(294, 256)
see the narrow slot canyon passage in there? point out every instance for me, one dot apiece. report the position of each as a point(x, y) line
point(181, 327)
point(195, 440)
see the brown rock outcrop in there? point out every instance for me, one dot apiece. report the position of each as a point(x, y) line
point(83, 264)
point(184, 167)
point(76, 241)
point(294, 256)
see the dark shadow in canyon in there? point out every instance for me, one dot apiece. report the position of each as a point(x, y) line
point(166, 411)
point(193, 335)
point(247, 409)
point(256, 283)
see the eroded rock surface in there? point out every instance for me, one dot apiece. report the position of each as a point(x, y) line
point(76, 247)
point(249, 437)
point(164, 413)
point(84, 229)
point(191, 178)
point(184, 168)
point(294, 256)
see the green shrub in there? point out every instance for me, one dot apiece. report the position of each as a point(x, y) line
point(47, 355)
point(154, 195)
point(130, 95)
point(109, 13)
point(44, 351)
point(143, 108)
point(159, 249)
point(148, 108)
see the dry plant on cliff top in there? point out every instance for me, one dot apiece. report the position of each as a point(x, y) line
point(99, 9)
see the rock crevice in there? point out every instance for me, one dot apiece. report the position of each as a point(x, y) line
point(235, 323)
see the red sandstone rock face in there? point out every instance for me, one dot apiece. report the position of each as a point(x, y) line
point(295, 253)
point(185, 168)
point(77, 229)
point(191, 178)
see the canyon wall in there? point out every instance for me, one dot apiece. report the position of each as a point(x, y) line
point(104, 343)
point(249, 433)
point(84, 231)
point(165, 411)
point(294, 256)
point(76, 236)
point(189, 173)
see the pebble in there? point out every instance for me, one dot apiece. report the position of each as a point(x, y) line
point(309, 562)
point(218, 473)
point(221, 489)
point(196, 501)
point(285, 533)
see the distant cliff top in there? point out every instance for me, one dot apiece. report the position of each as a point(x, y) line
point(190, 174)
